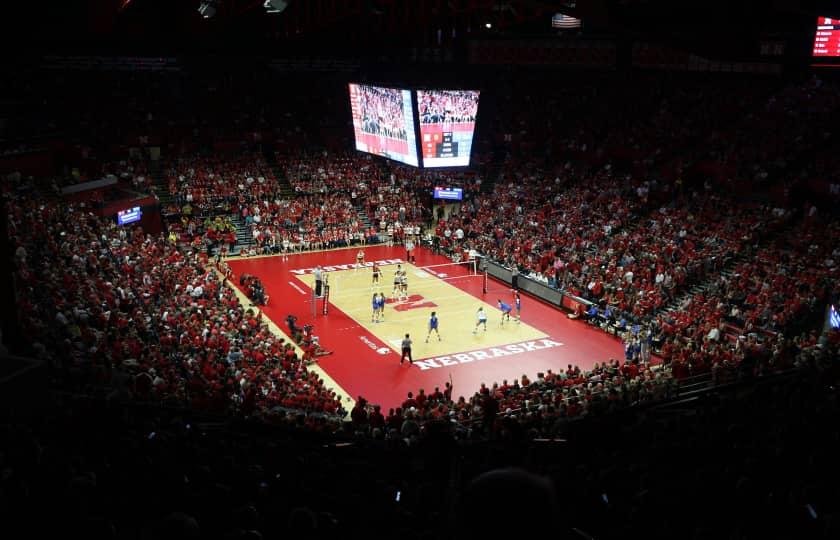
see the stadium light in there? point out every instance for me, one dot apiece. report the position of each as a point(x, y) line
point(207, 8)
point(275, 6)
point(488, 25)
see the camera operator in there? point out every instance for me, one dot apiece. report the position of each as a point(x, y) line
point(293, 328)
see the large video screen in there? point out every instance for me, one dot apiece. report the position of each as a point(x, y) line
point(447, 123)
point(383, 122)
point(827, 37)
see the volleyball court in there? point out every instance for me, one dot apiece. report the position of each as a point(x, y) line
point(366, 353)
point(438, 288)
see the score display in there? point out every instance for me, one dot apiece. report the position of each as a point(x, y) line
point(130, 215)
point(383, 122)
point(827, 37)
point(449, 194)
point(447, 123)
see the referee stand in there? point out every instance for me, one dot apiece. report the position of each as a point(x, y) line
point(325, 298)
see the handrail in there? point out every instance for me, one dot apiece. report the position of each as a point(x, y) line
point(29, 364)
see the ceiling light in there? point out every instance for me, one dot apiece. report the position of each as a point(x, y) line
point(207, 8)
point(275, 6)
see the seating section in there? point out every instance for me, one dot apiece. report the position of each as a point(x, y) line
point(148, 317)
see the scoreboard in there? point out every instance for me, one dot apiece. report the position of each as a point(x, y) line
point(447, 123)
point(827, 37)
point(440, 145)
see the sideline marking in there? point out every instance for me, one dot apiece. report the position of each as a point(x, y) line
point(298, 289)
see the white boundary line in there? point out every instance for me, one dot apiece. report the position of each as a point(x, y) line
point(298, 289)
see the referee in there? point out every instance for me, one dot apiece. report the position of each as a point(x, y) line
point(318, 281)
point(406, 350)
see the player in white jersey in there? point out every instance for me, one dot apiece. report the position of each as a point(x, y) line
point(480, 320)
point(397, 281)
point(286, 248)
point(404, 284)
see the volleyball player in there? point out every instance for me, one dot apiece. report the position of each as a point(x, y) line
point(481, 320)
point(360, 259)
point(377, 272)
point(381, 307)
point(397, 281)
point(286, 246)
point(517, 302)
point(374, 305)
point(433, 325)
point(506, 309)
point(404, 284)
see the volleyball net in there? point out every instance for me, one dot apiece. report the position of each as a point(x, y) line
point(419, 278)
point(470, 276)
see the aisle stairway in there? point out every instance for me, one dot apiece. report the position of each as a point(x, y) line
point(244, 238)
point(364, 220)
point(159, 185)
point(730, 331)
point(284, 187)
point(491, 174)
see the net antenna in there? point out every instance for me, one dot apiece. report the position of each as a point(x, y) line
point(326, 296)
point(483, 269)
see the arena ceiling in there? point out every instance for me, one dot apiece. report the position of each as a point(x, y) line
point(365, 26)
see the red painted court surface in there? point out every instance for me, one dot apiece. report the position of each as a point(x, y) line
point(366, 356)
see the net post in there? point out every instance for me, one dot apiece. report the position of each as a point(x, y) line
point(314, 304)
point(484, 278)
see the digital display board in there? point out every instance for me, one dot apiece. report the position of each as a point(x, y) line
point(827, 37)
point(450, 194)
point(447, 123)
point(383, 122)
point(129, 215)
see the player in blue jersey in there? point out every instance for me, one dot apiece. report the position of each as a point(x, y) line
point(506, 309)
point(480, 320)
point(517, 302)
point(374, 304)
point(433, 326)
point(381, 305)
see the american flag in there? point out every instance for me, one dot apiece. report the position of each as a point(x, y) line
point(560, 20)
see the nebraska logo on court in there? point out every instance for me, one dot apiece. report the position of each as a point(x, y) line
point(486, 354)
point(414, 301)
